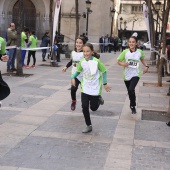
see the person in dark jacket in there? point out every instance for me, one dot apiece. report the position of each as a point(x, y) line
point(45, 42)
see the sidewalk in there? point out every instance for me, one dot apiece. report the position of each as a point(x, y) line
point(38, 130)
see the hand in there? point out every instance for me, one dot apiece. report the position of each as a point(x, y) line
point(4, 58)
point(126, 64)
point(64, 69)
point(73, 82)
point(145, 70)
point(107, 88)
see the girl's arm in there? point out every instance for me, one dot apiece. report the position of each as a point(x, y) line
point(123, 63)
point(145, 64)
point(67, 66)
point(107, 88)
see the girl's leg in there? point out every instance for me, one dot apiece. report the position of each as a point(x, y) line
point(94, 103)
point(34, 59)
point(29, 56)
point(85, 108)
point(73, 94)
point(131, 90)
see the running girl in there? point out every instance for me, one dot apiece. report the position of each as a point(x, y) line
point(130, 59)
point(91, 84)
point(76, 56)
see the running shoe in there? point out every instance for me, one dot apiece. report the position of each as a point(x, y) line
point(133, 109)
point(87, 129)
point(73, 105)
point(33, 66)
point(101, 101)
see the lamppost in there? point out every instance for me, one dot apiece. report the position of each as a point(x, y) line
point(88, 6)
point(112, 14)
point(157, 8)
point(124, 28)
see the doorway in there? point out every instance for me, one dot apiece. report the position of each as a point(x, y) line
point(29, 14)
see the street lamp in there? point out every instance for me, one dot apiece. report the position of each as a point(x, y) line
point(88, 6)
point(112, 14)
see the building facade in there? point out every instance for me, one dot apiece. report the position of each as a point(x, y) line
point(36, 17)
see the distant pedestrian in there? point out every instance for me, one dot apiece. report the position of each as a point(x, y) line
point(168, 124)
point(124, 43)
point(76, 56)
point(102, 41)
point(32, 44)
point(12, 41)
point(24, 42)
point(44, 43)
point(94, 72)
point(130, 59)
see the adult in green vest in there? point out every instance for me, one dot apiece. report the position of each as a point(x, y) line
point(32, 44)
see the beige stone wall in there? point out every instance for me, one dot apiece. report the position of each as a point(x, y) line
point(99, 19)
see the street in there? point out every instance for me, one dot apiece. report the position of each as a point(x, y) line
point(39, 131)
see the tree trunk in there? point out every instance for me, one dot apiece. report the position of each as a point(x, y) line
point(20, 28)
point(152, 32)
point(77, 18)
point(164, 24)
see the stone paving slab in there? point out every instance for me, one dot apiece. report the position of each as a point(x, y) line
point(39, 131)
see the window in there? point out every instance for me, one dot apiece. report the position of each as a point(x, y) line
point(136, 9)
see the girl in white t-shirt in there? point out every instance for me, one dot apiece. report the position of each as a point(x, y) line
point(76, 56)
point(130, 59)
point(94, 75)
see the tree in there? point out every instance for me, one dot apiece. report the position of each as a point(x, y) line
point(77, 18)
point(20, 28)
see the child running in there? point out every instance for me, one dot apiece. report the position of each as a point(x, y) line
point(130, 59)
point(76, 56)
point(91, 84)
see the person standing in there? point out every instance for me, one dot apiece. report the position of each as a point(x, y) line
point(102, 41)
point(124, 43)
point(106, 45)
point(32, 44)
point(24, 42)
point(94, 72)
point(130, 59)
point(12, 41)
point(44, 43)
point(76, 56)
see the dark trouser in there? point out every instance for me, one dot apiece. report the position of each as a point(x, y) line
point(94, 105)
point(123, 48)
point(130, 85)
point(44, 51)
point(23, 53)
point(33, 56)
point(115, 48)
point(74, 89)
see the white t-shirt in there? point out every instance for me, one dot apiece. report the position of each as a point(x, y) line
point(76, 57)
point(133, 58)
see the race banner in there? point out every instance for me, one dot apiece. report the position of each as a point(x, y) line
point(56, 17)
point(146, 15)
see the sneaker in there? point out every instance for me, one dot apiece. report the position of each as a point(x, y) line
point(101, 101)
point(26, 66)
point(43, 60)
point(33, 66)
point(9, 70)
point(87, 129)
point(73, 105)
point(133, 109)
point(13, 69)
point(168, 124)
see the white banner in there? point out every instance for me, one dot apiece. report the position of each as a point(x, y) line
point(56, 17)
point(146, 15)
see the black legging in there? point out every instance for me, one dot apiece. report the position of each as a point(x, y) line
point(94, 105)
point(130, 85)
point(74, 89)
point(33, 56)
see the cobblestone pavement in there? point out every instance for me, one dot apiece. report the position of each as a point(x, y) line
point(38, 130)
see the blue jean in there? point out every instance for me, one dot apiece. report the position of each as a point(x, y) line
point(23, 53)
point(44, 51)
point(12, 56)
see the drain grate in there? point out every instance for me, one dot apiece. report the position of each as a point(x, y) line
point(15, 75)
point(153, 115)
point(104, 113)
